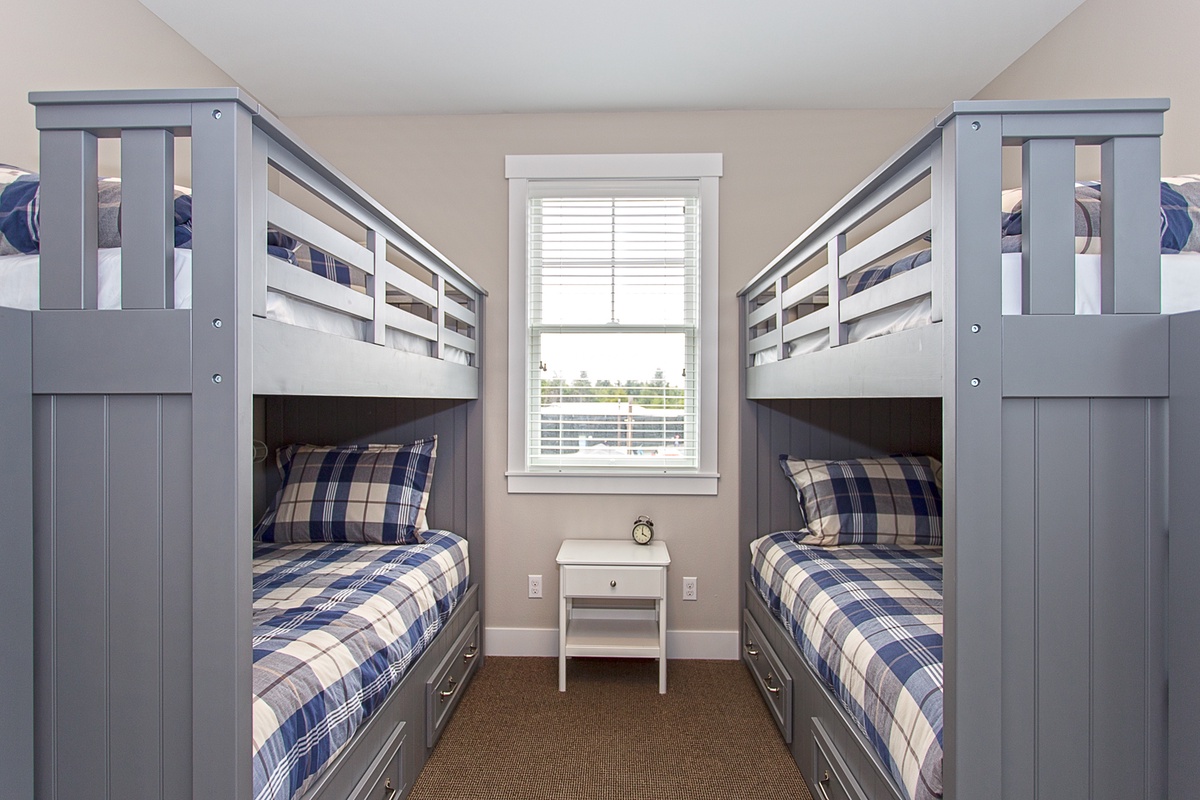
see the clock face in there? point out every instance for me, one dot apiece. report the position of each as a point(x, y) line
point(642, 533)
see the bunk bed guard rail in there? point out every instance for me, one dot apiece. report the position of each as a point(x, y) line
point(785, 300)
point(234, 144)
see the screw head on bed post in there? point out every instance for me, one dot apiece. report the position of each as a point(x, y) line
point(975, 126)
point(216, 113)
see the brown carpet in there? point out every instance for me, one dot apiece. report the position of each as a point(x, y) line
point(611, 735)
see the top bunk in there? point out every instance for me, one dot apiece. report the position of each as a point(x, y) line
point(324, 291)
point(927, 266)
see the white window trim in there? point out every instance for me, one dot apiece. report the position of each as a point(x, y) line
point(707, 169)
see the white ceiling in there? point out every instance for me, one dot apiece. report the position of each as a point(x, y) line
point(337, 57)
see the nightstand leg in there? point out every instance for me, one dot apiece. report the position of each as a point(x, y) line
point(562, 643)
point(662, 646)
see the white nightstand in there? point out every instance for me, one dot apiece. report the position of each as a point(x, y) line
point(598, 570)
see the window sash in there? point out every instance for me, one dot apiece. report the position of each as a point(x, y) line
point(622, 264)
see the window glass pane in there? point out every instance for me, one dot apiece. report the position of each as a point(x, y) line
point(608, 399)
point(599, 261)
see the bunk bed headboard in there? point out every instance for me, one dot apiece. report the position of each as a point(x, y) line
point(143, 420)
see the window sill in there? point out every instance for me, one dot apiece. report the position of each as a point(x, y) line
point(628, 483)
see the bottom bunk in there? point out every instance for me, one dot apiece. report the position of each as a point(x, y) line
point(365, 615)
point(845, 645)
point(337, 627)
point(386, 754)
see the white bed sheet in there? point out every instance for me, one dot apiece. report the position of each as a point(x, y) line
point(19, 289)
point(1180, 292)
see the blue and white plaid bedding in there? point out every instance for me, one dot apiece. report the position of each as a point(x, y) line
point(868, 618)
point(336, 626)
point(1178, 227)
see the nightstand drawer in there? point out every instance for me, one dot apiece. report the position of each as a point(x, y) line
point(588, 581)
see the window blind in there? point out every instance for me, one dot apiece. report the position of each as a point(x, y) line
point(613, 303)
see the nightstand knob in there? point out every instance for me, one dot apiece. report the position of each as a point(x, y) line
point(613, 584)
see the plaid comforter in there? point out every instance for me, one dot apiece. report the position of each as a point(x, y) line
point(336, 626)
point(868, 618)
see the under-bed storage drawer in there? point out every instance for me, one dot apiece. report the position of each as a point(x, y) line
point(773, 680)
point(831, 779)
point(390, 782)
point(443, 690)
point(356, 775)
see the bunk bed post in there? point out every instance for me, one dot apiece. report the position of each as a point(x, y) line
point(971, 425)
point(222, 172)
point(1183, 589)
point(476, 431)
point(16, 567)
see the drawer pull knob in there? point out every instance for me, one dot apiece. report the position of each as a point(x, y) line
point(449, 692)
point(391, 789)
point(613, 584)
point(825, 777)
point(751, 650)
point(471, 653)
point(770, 688)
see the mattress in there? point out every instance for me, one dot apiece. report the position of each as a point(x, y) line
point(336, 626)
point(19, 289)
point(868, 620)
point(1180, 292)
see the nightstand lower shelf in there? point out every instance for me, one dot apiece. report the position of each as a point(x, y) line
point(618, 638)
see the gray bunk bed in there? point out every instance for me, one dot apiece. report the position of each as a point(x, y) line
point(130, 485)
point(1067, 440)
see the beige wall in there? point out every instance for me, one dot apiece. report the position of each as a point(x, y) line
point(445, 177)
point(87, 44)
point(1118, 48)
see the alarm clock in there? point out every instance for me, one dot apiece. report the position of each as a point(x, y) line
point(643, 530)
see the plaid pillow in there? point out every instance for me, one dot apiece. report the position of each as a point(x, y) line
point(20, 211)
point(1179, 216)
point(373, 493)
point(890, 500)
point(319, 263)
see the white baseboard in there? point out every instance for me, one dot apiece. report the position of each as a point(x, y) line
point(543, 642)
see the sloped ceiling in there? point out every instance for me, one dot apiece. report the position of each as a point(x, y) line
point(361, 57)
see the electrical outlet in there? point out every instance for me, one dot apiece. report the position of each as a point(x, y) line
point(535, 586)
point(689, 589)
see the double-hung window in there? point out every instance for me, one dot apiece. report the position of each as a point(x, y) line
point(612, 343)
